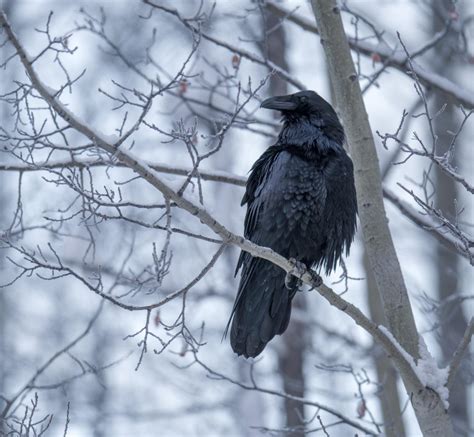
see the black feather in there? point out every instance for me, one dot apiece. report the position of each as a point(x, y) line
point(301, 202)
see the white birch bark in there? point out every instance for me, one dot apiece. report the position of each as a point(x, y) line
point(429, 409)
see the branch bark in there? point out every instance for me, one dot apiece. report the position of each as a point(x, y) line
point(386, 373)
point(429, 409)
point(435, 228)
point(243, 53)
point(396, 60)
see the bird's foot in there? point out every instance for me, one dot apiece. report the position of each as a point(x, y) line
point(293, 277)
point(316, 280)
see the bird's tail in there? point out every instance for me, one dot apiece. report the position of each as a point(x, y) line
point(262, 308)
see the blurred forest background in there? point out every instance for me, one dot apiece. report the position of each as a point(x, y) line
point(70, 359)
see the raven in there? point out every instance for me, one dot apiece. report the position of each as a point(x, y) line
point(301, 202)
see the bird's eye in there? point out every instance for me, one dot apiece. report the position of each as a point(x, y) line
point(303, 99)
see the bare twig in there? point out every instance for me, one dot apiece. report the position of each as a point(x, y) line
point(386, 54)
point(233, 49)
point(254, 387)
point(459, 353)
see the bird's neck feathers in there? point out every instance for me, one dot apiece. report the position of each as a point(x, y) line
point(316, 136)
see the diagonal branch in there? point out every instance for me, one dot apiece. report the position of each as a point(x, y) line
point(254, 387)
point(30, 384)
point(387, 56)
point(453, 238)
point(243, 53)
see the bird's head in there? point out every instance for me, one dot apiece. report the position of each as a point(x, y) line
point(308, 120)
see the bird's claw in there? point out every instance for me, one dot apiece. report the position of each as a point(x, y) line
point(316, 280)
point(293, 277)
point(292, 282)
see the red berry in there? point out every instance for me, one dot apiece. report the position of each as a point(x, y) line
point(183, 86)
point(235, 61)
point(157, 319)
point(361, 408)
point(376, 57)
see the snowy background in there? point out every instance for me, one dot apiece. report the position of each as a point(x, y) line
point(166, 396)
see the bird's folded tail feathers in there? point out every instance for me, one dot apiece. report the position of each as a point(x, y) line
point(262, 308)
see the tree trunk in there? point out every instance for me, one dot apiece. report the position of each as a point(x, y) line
point(5, 310)
point(386, 372)
point(452, 320)
point(291, 355)
point(429, 409)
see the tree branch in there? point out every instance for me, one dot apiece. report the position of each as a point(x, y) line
point(387, 56)
point(432, 226)
point(243, 53)
point(304, 401)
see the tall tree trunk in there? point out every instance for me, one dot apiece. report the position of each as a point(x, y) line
point(386, 373)
point(3, 308)
point(291, 355)
point(5, 311)
point(452, 318)
point(427, 404)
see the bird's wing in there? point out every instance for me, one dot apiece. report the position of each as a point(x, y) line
point(259, 174)
point(254, 198)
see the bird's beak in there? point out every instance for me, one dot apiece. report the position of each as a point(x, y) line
point(280, 103)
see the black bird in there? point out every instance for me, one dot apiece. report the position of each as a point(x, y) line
point(301, 202)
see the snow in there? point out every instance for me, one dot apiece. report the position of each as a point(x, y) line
point(426, 369)
point(394, 341)
point(430, 374)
